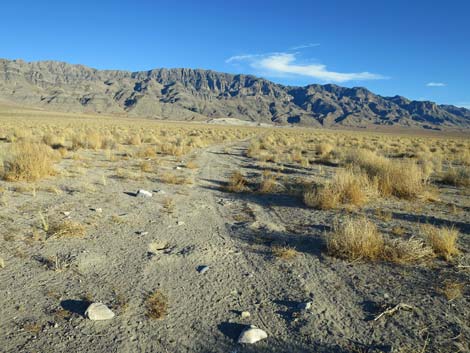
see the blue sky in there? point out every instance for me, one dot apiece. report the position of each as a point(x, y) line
point(418, 49)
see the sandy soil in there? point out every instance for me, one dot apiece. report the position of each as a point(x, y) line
point(42, 309)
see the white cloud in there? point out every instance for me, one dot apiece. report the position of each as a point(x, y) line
point(285, 64)
point(305, 46)
point(436, 84)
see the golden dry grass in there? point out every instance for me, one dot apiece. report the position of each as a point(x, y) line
point(457, 176)
point(284, 252)
point(346, 187)
point(355, 239)
point(237, 182)
point(359, 239)
point(28, 161)
point(442, 240)
point(452, 290)
point(66, 229)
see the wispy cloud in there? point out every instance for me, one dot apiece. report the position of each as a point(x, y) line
point(436, 84)
point(305, 46)
point(286, 64)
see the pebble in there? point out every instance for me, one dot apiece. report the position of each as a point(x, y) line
point(97, 210)
point(180, 223)
point(178, 168)
point(245, 314)
point(157, 246)
point(98, 312)
point(139, 232)
point(66, 213)
point(251, 335)
point(203, 269)
point(143, 193)
point(304, 306)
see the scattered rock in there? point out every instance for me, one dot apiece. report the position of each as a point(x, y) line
point(202, 269)
point(178, 168)
point(304, 306)
point(2, 263)
point(245, 314)
point(97, 210)
point(140, 232)
point(98, 312)
point(66, 213)
point(180, 223)
point(251, 335)
point(143, 193)
point(157, 246)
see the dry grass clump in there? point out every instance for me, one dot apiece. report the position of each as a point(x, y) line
point(146, 167)
point(66, 229)
point(237, 183)
point(171, 178)
point(269, 184)
point(355, 239)
point(452, 290)
point(284, 252)
point(457, 177)
point(146, 152)
point(359, 239)
point(442, 240)
point(192, 165)
point(28, 161)
point(399, 178)
point(324, 149)
point(406, 251)
point(157, 305)
point(347, 187)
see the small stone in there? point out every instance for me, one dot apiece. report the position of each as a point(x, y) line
point(251, 335)
point(140, 232)
point(56, 325)
point(2, 263)
point(245, 314)
point(157, 246)
point(178, 168)
point(160, 192)
point(98, 312)
point(66, 213)
point(202, 269)
point(143, 193)
point(97, 210)
point(180, 223)
point(304, 306)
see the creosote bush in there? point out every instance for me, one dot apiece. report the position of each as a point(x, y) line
point(237, 183)
point(157, 305)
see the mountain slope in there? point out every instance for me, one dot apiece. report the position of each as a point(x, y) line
point(191, 94)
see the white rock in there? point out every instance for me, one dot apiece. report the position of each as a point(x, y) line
point(180, 223)
point(2, 263)
point(245, 314)
point(98, 312)
point(140, 232)
point(66, 213)
point(178, 168)
point(252, 335)
point(304, 306)
point(143, 193)
point(98, 210)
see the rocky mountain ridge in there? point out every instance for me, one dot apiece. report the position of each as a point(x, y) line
point(194, 94)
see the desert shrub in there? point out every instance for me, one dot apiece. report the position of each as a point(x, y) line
point(347, 187)
point(442, 240)
point(324, 149)
point(359, 239)
point(146, 152)
point(403, 179)
point(457, 176)
point(237, 183)
point(66, 229)
point(284, 252)
point(27, 161)
point(355, 239)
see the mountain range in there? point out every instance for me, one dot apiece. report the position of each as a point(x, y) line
point(194, 94)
